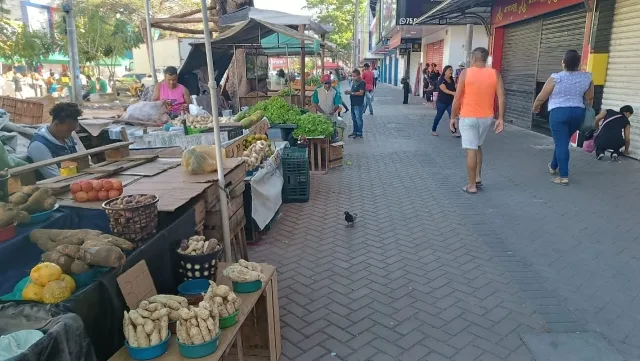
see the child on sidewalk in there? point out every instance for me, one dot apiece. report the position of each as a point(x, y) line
point(406, 89)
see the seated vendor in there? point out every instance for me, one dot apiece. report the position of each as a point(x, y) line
point(56, 139)
point(173, 94)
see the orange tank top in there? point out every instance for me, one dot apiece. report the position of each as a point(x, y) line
point(480, 86)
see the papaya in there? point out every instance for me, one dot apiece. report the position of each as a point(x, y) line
point(257, 116)
point(240, 116)
point(246, 123)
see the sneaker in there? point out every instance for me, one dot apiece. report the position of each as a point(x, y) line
point(358, 137)
point(600, 156)
point(614, 157)
point(351, 135)
point(551, 170)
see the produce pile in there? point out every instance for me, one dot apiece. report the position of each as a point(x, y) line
point(148, 325)
point(314, 80)
point(96, 190)
point(48, 284)
point(75, 250)
point(198, 245)
point(256, 154)
point(200, 159)
point(278, 111)
point(195, 121)
point(226, 302)
point(28, 201)
point(129, 218)
point(247, 120)
point(244, 271)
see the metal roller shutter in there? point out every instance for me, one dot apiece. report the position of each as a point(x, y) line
point(519, 63)
point(622, 84)
point(561, 31)
point(435, 53)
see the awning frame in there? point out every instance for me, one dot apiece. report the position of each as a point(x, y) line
point(459, 12)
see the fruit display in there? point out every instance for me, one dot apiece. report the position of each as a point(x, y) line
point(74, 251)
point(198, 245)
point(256, 153)
point(96, 190)
point(244, 271)
point(32, 200)
point(48, 284)
point(195, 121)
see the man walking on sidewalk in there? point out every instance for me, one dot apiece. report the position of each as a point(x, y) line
point(368, 77)
point(473, 103)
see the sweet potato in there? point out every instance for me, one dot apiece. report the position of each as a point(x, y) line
point(48, 239)
point(35, 204)
point(18, 198)
point(29, 190)
point(109, 256)
point(8, 216)
point(49, 203)
point(23, 217)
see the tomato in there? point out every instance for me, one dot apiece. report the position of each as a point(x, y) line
point(107, 184)
point(87, 187)
point(93, 196)
point(81, 197)
point(114, 193)
point(97, 185)
point(103, 195)
point(117, 184)
point(75, 187)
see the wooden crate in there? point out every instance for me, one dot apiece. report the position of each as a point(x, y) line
point(336, 152)
point(23, 111)
point(319, 155)
point(261, 337)
point(238, 240)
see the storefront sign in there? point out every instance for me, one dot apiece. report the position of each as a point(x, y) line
point(408, 11)
point(403, 51)
point(506, 12)
point(416, 47)
point(407, 21)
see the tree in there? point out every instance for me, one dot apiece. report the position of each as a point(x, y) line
point(339, 14)
point(18, 43)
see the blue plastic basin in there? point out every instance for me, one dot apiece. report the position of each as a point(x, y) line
point(197, 351)
point(247, 287)
point(194, 287)
point(148, 353)
point(42, 216)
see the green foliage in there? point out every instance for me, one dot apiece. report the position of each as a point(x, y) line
point(313, 80)
point(313, 125)
point(339, 14)
point(17, 42)
point(277, 110)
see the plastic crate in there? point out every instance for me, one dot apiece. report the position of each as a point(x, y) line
point(295, 171)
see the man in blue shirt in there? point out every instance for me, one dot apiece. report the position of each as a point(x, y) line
point(356, 93)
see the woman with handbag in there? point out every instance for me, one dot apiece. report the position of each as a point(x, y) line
point(569, 93)
point(610, 126)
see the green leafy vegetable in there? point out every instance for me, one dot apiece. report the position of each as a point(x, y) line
point(313, 80)
point(277, 110)
point(313, 125)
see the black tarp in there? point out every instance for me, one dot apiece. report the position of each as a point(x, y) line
point(64, 338)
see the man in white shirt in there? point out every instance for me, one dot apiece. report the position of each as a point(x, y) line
point(376, 74)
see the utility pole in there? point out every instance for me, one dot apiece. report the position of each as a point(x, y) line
point(467, 45)
point(152, 60)
point(354, 55)
point(76, 86)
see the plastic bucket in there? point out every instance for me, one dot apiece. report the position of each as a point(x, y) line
point(226, 322)
point(7, 232)
point(247, 287)
point(148, 353)
point(198, 351)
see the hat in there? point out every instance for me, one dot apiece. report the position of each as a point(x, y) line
point(326, 79)
point(461, 64)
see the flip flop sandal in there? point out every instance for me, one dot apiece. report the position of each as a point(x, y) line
point(468, 191)
point(479, 184)
point(560, 181)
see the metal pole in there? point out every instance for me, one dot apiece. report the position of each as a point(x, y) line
point(224, 211)
point(354, 55)
point(303, 70)
point(76, 86)
point(152, 60)
point(467, 45)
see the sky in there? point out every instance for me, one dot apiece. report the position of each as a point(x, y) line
point(289, 6)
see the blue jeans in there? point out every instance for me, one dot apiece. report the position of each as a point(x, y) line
point(564, 121)
point(356, 118)
point(441, 108)
point(368, 102)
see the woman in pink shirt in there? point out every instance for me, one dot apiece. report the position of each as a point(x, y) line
point(173, 94)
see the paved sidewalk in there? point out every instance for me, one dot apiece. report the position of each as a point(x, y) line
point(431, 273)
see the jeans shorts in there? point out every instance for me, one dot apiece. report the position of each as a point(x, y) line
point(473, 131)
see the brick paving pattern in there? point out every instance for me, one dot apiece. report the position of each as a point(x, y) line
point(430, 273)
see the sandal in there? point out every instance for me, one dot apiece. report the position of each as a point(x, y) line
point(466, 190)
point(551, 170)
point(560, 181)
point(434, 134)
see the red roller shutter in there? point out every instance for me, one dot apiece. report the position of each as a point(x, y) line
point(435, 53)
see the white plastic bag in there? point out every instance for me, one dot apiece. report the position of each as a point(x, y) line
point(147, 112)
point(196, 110)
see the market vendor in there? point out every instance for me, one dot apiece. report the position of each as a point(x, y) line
point(173, 94)
point(56, 139)
point(326, 99)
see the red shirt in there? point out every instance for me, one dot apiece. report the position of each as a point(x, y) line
point(367, 76)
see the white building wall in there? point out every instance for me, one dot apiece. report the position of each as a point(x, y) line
point(416, 59)
point(454, 41)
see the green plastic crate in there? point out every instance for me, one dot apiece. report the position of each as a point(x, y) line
point(295, 170)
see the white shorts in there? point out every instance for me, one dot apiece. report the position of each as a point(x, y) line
point(473, 131)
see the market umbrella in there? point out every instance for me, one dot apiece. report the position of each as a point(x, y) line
point(216, 134)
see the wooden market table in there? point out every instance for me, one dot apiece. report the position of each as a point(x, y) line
point(258, 323)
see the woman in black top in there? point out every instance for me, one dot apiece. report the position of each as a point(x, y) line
point(446, 89)
point(610, 125)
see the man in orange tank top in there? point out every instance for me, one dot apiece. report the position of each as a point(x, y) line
point(473, 104)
